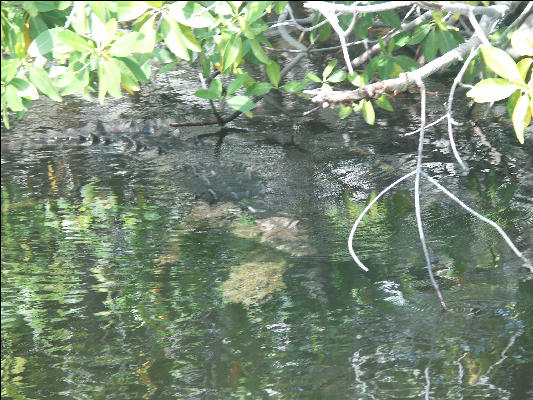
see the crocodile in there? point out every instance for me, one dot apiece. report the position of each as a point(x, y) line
point(213, 183)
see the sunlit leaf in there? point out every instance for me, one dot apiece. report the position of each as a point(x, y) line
point(501, 63)
point(128, 10)
point(521, 117)
point(13, 99)
point(192, 14)
point(174, 38)
point(337, 76)
point(99, 9)
point(329, 68)
point(148, 30)
point(368, 112)
point(522, 41)
point(25, 89)
point(492, 89)
point(523, 67)
point(40, 79)
point(126, 45)
point(189, 39)
point(75, 41)
point(112, 77)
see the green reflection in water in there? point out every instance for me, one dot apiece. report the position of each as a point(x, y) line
point(107, 296)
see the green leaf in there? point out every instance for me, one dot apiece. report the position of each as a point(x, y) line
point(273, 73)
point(344, 111)
point(329, 68)
point(295, 86)
point(205, 94)
point(430, 46)
point(46, 42)
point(128, 10)
point(13, 99)
point(241, 103)
point(237, 83)
point(521, 117)
point(512, 100)
point(384, 103)
point(166, 68)
point(25, 88)
point(75, 41)
point(523, 67)
point(447, 41)
point(112, 77)
point(492, 89)
point(279, 6)
point(391, 18)
point(384, 67)
point(141, 70)
point(368, 112)
point(189, 39)
point(174, 38)
point(313, 77)
point(102, 88)
point(401, 39)
point(324, 32)
point(407, 63)
point(437, 17)
point(357, 79)
point(231, 52)
point(501, 63)
point(215, 87)
point(126, 45)
point(259, 88)
point(148, 43)
point(337, 76)
point(40, 79)
point(258, 51)
point(99, 9)
point(419, 33)
point(254, 10)
point(109, 32)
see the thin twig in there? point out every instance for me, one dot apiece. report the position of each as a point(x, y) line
point(360, 217)
point(417, 192)
point(527, 263)
point(456, 81)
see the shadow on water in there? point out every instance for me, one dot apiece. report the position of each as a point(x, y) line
point(206, 264)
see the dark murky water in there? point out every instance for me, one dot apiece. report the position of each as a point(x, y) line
point(123, 278)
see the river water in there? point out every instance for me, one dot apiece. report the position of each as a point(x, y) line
point(125, 277)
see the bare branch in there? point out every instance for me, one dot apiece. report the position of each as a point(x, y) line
point(322, 5)
point(417, 192)
point(464, 9)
